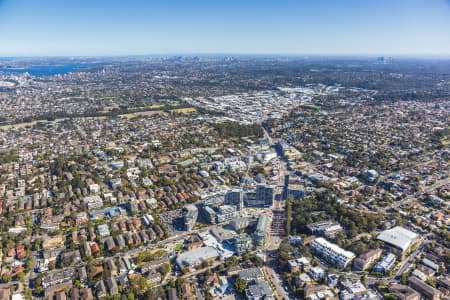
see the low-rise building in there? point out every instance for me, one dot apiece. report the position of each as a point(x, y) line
point(251, 274)
point(113, 289)
point(301, 264)
point(303, 280)
point(427, 291)
point(317, 273)
point(404, 292)
point(154, 278)
point(332, 252)
point(190, 217)
point(259, 290)
point(386, 263)
point(354, 291)
point(52, 242)
point(195, 257)
point(365, 260)
point(262, 230)
point(240, 243)
point(398, 239)
point(328, 229)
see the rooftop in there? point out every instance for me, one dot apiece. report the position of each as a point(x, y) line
point(398, 237)
point(197, 256)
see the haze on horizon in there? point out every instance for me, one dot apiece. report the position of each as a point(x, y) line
point(320, 27)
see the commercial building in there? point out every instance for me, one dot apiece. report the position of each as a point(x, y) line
point(262, 229)
point(398, 239)
point(190, 216)
point(235, 197)
point(240, 243)
point(226, 213)
point(294, 191)
point(265, 195)
point(221, 233)
point(209, 214)
point(239, 223)
point(332, 252)
point(196, 257)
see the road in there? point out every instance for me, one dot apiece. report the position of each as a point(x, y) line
point(275, 279)
point(421, 192)
point(407, 262)
point(405, 265)
point(267, 136)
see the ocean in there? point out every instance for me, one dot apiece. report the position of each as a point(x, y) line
point(45, 70)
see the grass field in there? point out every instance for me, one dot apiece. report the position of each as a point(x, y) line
point(25, 124)
point(140, 113)
point(18, 125)
point(154, 106)
point(186, 110)
point(150, 255)
point(316, 107)
point(130, 115)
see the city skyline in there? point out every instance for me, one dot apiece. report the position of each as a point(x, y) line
point(112, 28)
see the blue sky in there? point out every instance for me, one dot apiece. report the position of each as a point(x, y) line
point(128, 27)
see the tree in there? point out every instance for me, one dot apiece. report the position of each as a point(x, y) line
point(37, 244)
point(20, 276)
point(240, 285)
point(164, 269)
point(258, 261)
point(6, 278)
point(130, 296)
point(363, 280)
point(288, 216)
point(77, 283)
point(28, 293)
point(221, 267)
point(404, 279)
point(232, 261)
point(431, 281)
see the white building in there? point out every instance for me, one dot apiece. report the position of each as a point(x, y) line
point(332, 252)
point(398, 238)
point(386, 263)
point(195, 257)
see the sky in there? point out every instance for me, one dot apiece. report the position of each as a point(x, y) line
point(299, 27)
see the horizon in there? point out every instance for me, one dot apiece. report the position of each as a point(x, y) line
point(240, 55)
point(49, 28)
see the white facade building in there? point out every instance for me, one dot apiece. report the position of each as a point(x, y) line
point(332, 252)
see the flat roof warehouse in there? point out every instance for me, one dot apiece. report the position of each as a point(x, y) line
point(399, 238)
